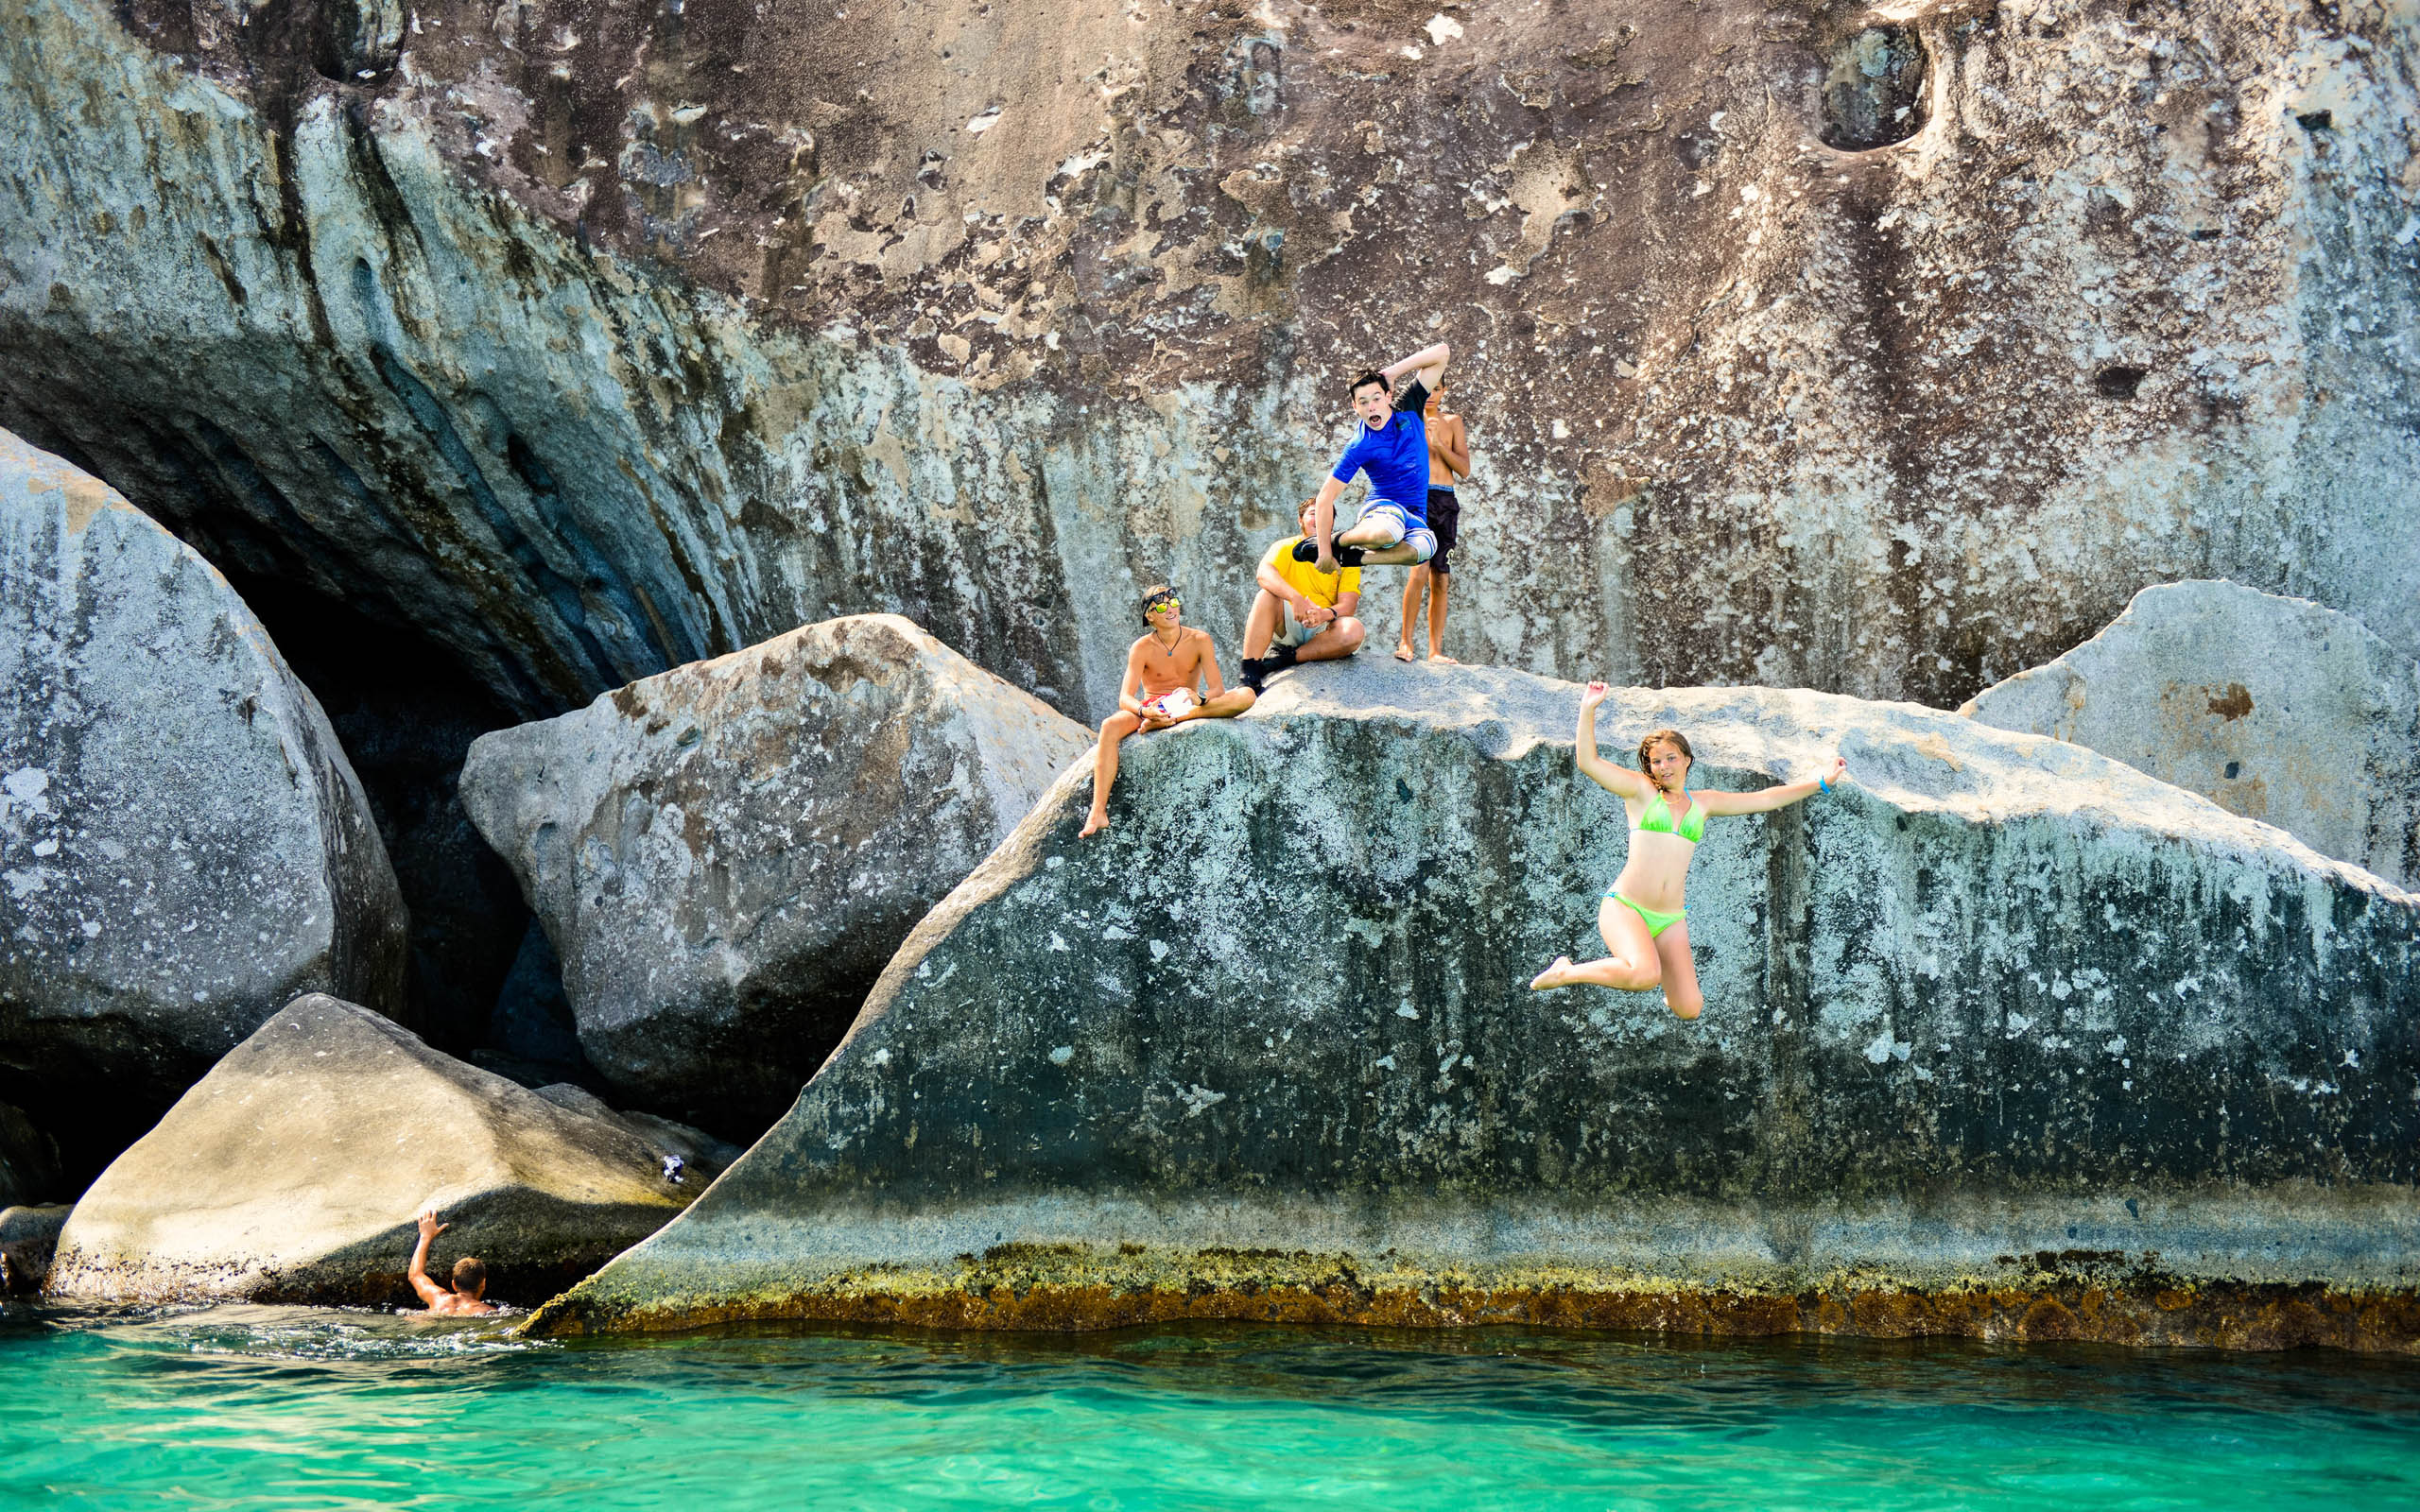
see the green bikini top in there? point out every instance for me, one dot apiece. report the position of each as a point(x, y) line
point(1657, 818)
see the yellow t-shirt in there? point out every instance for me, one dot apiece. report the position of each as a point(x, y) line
point(1305, 577)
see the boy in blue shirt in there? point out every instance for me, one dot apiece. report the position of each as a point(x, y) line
point(1392, 445)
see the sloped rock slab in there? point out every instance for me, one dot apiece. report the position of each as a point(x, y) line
point(2277, 709)
point(293, 1171)
point(726, 855)
point(2010, 1041)
point(183, 846)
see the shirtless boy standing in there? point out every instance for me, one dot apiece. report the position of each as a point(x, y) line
point(1163, 670)
point(1450, 459)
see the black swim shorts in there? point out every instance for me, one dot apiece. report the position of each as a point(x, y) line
point(1446, 523)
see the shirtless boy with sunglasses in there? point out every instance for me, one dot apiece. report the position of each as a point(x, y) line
point(1166, 672)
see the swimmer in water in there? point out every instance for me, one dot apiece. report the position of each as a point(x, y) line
point(1646, 929)
point(469, 1297)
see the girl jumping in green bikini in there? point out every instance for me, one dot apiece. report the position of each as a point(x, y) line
point(1646, 929)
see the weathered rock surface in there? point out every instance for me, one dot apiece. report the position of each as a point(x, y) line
point(29, 1168)
point(28, 1239)
point(725, 855)
point(293, 1171)
point(2274, 708)
point(2011, 1040)
point(1799, 347)
point(184, 846)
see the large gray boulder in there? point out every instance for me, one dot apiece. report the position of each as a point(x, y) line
point(2009, 1040)
point(725, 854)
point(183, 846)
point(2276, 709)
point(293, 1171)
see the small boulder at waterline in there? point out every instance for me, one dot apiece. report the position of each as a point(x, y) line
point(184, 845)
point(292, 1172)
point(28, 1238)
point(2006, 1038)
point(725, 854)
point(2277, 709)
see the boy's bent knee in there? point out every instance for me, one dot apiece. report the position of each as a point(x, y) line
point(1349, 631)
point(1119, 725)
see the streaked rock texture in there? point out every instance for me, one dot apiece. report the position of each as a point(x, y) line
point(1799, 349)
point(293, 1171)
point(2010, 1041)
point(184, 846)
point(2272, 708)
point(725, 854)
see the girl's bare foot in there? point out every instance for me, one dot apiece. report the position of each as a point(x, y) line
point(1553, 976)
point(1443, 659)
point(1093, 826)
point(1403, 650)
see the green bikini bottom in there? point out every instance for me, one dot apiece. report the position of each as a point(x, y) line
point(1656, 922)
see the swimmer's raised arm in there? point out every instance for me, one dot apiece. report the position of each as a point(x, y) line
point(1766, 799)
point(417, 1272)
point(1595, 768)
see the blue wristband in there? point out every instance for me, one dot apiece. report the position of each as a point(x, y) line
point(1825, 784)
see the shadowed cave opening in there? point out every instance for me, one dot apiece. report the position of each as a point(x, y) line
point(482, 983)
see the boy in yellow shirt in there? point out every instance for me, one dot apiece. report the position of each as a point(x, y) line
point(1302, 614)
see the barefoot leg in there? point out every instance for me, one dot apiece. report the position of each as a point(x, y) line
point(1680, 970)
point(1438, 585)
point(1415, 583)
point(1631, 965)
point(1113, 730)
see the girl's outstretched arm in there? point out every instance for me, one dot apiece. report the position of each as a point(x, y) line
point(1773, 798)
point(1595, 768)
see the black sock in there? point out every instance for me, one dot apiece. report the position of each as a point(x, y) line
point(1308, 550)
point(1254, 670)
point(1278, 659)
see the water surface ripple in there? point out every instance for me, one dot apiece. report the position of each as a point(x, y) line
point(243, 1407)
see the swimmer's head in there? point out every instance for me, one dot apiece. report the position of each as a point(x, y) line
point(1162, 606)
point(471, 1276)
point(1373, 398)
point(1665, 756)
point(1307, 514)
point(1435, 400)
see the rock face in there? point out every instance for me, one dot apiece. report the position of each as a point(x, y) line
point(184, 846)
point(293, 1171)
point(2009, 1040)
point(1885, 356)
point(2272, 708)
point(726, 855)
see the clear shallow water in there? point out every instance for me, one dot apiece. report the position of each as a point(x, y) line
point(285, 1407)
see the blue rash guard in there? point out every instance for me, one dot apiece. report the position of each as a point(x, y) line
point(1396, 457)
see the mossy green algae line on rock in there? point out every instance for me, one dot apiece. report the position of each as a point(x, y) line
point(2009, 1023)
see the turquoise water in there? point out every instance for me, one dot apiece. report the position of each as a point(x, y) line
point(288, 1407)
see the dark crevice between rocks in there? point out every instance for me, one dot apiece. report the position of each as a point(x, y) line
point(1874, 90)
point(405, 712)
